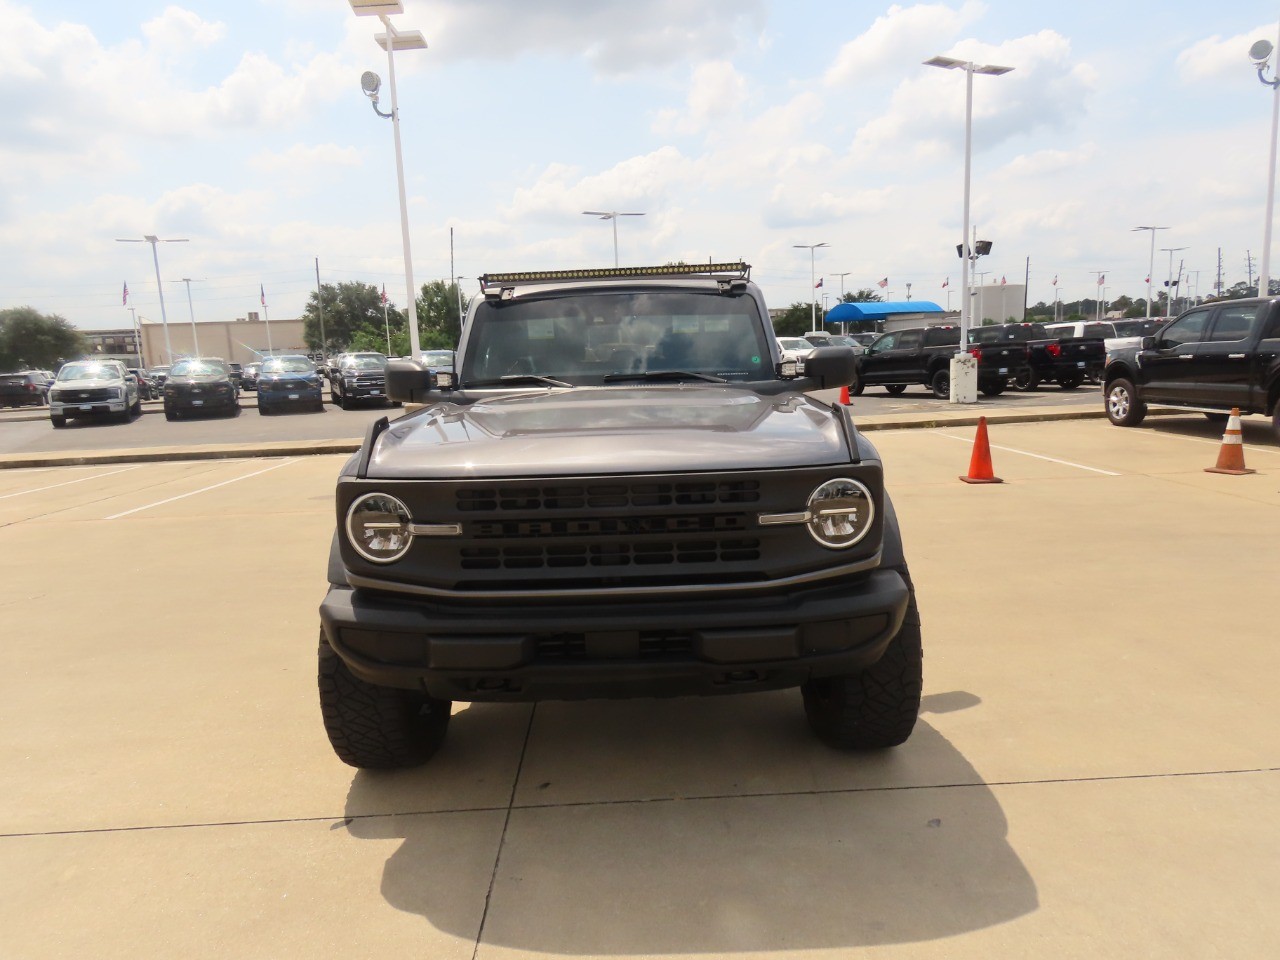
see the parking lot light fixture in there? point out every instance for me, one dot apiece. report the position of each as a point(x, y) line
point(391, 41)
point(1169, 283)
point(813, 281)
point(1260, 54)
point(611, 215)
point(195, 337)
point(969, 68)
point(1151, 266)
point(155, 258)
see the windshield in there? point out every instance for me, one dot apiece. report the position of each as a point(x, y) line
point(794, 343)
point(88, 371)
point(1137, 328)
point(364, 363)
point(198, 368)
point(585, 338)
point(289, 365)
point(156, 370)
point(437, 358)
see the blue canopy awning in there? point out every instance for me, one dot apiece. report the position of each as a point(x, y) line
point(878, 310)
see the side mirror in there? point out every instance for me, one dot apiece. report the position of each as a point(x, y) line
point(831, 367)
point(409, 381)
point(1148, 343)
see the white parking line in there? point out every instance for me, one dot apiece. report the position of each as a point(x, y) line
point(1038, 456)
point(67, 483)
point(212, 486)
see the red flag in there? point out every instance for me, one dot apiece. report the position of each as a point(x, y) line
point(125, 300)
point(883, 283)
point(818, 284)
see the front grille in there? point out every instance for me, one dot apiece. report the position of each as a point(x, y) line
point(608, 496)
point(613, 554)
point(96, 395)
point(370, 381)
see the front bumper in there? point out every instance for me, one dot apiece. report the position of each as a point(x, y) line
point(204, 401)
point(659, 647)
point(284, 396)
point(58, 408)
point(363, 392)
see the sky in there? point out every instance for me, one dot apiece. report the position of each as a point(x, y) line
point(739, 128)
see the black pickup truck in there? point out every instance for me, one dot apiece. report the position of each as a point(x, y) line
point(923, 355)
point(1212, 358)
point(1066, 361)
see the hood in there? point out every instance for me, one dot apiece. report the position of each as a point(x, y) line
point(97, 383)
point(612, 430)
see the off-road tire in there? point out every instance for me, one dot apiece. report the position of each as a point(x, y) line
point(857, 387)
point(895, 388)
point(878, 707)
point(57, 421)
point(940, 384)
point(1123, 405)
point(1025, 379)
point(375, 727)
point(136, 409)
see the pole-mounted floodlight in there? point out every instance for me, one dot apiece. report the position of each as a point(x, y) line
point(1260, 54)
point(964, 379)
point(813, 284)
point(1151, 266)
point(371, 83)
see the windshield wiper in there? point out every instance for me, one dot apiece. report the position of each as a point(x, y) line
point(663, 375)
point(512, 379)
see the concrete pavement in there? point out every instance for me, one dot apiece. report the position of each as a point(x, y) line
point(1095, 771)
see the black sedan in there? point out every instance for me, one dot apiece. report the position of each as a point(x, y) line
point(197, 385)
point(289, 381)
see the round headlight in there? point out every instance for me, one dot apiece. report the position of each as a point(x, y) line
point(840, 513)
point(378, 527)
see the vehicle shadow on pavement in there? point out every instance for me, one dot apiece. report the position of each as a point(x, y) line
point(810, 860)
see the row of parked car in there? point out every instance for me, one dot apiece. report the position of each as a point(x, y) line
point(1021, 355)
point(104, 389)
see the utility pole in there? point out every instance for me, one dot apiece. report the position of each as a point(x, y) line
point(1218, 286)
point(1248, 262)
point(324, 345)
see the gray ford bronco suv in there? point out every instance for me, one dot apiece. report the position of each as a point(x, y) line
point(621, 490)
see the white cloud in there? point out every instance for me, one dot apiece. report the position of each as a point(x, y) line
point(716, 92)
point(615, 37)
point(1217, 57)
point(303, 158)
point(899, 38)
point(1049, 162)
point(561, 192)
point(176, 31)
point(1045, 89)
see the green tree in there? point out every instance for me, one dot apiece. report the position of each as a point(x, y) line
point(31, 339)
point(348, 309)
point(438, 321)
point(865, 295)
point(795, 322)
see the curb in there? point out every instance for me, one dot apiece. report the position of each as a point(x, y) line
point(300, 448)
point(227, 451)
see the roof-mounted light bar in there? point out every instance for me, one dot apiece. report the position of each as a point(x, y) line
point(738, 270)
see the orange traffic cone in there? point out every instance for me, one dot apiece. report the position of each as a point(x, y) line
point(1231, 453)
point(980, 463)
point(844, 395)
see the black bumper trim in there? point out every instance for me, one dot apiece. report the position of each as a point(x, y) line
point(728, 645)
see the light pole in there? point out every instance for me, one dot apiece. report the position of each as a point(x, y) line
point(813, 282)
point(1169, 283)
point(611, 215)
point(1101, 276)
point(1151, 266)
point(908, 293)
point(155, 258)
point(195, 337)
point(137, 333)
point(1260, 53)
point(391, 41)
point(964, 385)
